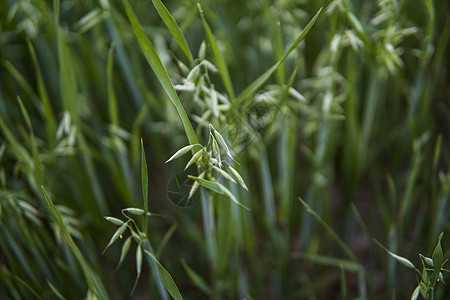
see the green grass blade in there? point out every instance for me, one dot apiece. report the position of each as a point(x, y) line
point(330, 231)
point(398, 258)
point(255, 85)
point(25, 114)
point(161, 73)
point(329, 261)
point(144, 181)
point(34, 148)
point(55, 291)
point(42, 92)
point(155, 271)
point(91, 277)
point(174, 29)
point(196, 279)
point(166, 278)
point(21, 80)
point(28, 287)
point(223, 69)
point(112, 100)
point(67, 78)
point(10, 137)
point(162, 245)
point(123, 60)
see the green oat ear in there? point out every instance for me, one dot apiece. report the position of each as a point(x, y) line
point(118, 233)
point(138, 266)
point(194, 158)
point(181, 152)
point(224, 174)
point(115, 221)
point(238, 177)
point(124, 252)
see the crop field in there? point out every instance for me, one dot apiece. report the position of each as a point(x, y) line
point(224, 149)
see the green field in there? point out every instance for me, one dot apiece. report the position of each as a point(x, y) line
point(224, 149)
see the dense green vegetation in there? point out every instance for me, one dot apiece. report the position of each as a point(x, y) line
point(314, 159)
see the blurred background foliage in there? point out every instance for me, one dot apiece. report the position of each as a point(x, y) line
point(355, 122)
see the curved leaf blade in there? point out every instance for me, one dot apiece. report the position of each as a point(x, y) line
point(166, 278)
point(174, 29)
point(255, 85)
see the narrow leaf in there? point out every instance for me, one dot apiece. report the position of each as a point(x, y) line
point(255, 85)
point(112, 101)
point(197, 279)
point(398, 258)
point(165, 240)
point(144, 178)
point(223, 69)
point(167, 279)
point(329, 261)
point(34, 147)
point(55, 291)
point(25, 114)
point(91, 277)
point(50, 121)
point(174, 29)
point(330, 231)
point(161, 73)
